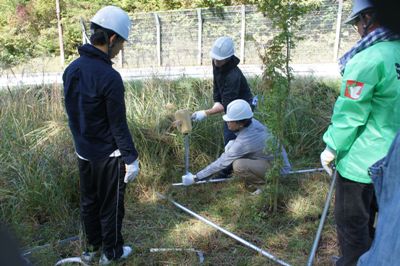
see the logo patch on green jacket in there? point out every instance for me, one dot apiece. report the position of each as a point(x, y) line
point(353, 89)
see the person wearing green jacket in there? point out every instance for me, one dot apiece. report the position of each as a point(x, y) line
point(365, 120)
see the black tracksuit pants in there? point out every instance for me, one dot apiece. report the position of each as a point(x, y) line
point(102, 203)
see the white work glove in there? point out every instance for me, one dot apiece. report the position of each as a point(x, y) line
point(327, 156)
point(132, 170)
point(199, 116)
point(229, 145)
point(188, 179)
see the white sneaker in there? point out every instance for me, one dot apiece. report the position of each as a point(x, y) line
point(126, 251)
point(89, 257)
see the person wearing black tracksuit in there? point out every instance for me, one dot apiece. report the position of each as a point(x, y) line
point(229, 84)
point(94, 101)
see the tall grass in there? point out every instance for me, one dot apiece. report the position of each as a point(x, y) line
point(39, 190)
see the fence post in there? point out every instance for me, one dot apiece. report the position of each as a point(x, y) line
point(338, 30)
point(243, 34)
point(200, 36)
point(121, 58)
point(60, 33)
point(157, 19)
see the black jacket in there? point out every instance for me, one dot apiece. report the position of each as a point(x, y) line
point(230, 83)
point(94, 100)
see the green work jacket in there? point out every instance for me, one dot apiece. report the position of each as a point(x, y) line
point(366, 115)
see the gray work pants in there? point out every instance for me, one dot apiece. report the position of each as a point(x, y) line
point(252, 171)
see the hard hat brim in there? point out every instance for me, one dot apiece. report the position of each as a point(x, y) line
point(226, 118)
point(350, 19)
point(216, 57)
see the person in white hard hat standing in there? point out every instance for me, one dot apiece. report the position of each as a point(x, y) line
point(246, 152)
point(229, 84)
point(94, 101)
point(365, 120)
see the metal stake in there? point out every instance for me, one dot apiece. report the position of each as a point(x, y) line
point(322, 221)
point(186, 153)
point(305, 171)
point(241, 240)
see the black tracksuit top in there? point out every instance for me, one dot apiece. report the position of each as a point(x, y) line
point(230, 83)
point(95, 104)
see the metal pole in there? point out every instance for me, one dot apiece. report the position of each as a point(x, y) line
point(158, 27)
point(200, 36)
point(243, 33)
point(305, 171)
point(60, 34)
point(322, 221)
point(85, 38)
point(206, 181)
point(217, 180)
point(121, 58)
point(186, 153)
point(338, 29)
point(241, 240)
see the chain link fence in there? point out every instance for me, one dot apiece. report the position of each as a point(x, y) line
point(184, 37)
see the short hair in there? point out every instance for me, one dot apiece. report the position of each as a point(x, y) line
point(245, 122)
point(387, 13)
point(100, 35)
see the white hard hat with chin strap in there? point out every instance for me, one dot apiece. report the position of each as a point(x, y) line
point(360, 7)
point(115, 19)
point(238, 110)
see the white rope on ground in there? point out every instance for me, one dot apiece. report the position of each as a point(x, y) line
point(71, 260)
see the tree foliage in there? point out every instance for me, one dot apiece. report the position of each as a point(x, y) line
point(28, 28)
point(284, 16)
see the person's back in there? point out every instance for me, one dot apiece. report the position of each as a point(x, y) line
point(230, 84)
point(91, 84)
point(107, 158)
point(371, 105)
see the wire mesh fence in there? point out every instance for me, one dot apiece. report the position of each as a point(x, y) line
point(185, 37)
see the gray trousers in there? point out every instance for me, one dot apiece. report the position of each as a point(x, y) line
point(252, 171)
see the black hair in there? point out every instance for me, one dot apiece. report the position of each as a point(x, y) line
point(245, 122)
point(387, 14)
point(100, 35)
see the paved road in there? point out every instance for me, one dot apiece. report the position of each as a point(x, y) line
point(8, 80)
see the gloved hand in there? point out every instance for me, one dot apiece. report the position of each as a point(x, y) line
point(188, 179)
point(229, 145)
point(327, 156)
point(132, 170)
point(199, 116)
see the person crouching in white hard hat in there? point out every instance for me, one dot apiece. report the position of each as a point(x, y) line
point(94, 101)
point(246, 152)
point(229, 84)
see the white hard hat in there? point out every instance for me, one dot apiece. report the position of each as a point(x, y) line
point(222, 48)
point(115, 19)
point(358, 7)
point(238, 110)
